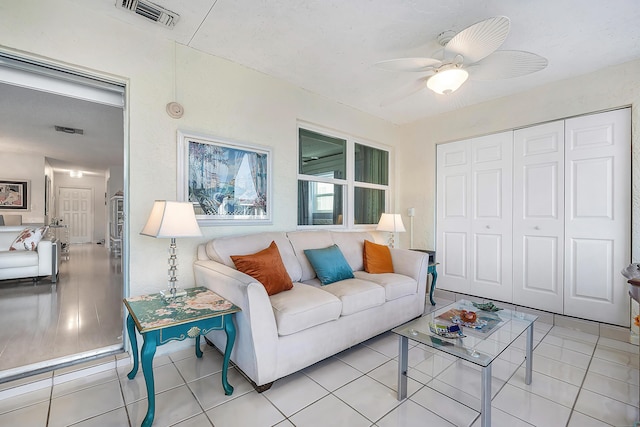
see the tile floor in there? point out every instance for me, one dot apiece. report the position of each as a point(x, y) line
point(82, 313)
point(580, 379)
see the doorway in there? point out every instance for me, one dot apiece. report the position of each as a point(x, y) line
point(66, 121)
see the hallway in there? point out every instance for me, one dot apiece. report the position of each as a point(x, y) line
point(81, 315)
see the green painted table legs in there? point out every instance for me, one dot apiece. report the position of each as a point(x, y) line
point(230, 330)
point(434, 277)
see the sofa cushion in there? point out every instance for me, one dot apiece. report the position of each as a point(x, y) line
point(395, 285)
point(356, 295)
point(221, 249)
point(266, 267)
point(351, 245)
point(28, 239)
point(18, 259)
point(377, 258)
point(303, 307)
point(329, 264)
point(301, 240)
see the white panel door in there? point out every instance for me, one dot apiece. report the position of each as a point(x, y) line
point(75, 209)
point(453, 215)
point(538, 216)
point(491, 192)
point(598, 216)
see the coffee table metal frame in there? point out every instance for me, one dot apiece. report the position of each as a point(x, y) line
point(475, 348)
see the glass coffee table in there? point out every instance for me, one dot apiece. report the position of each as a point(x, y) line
point(439, 330)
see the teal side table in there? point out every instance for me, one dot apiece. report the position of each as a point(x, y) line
point(431, 270)
point(160, 321)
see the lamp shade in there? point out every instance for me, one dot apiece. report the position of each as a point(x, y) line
point(391, 222)
point(447, 80)
point(171, 219)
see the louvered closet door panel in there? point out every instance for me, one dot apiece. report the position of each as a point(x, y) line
point(538, 216)
point(453, 215)
point(491, 185)
point(598, 216)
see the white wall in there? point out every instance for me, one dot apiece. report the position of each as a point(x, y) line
point(220, 98)
point(21, 166)
point(581, 95)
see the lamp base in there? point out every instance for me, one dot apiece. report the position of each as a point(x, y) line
point(167, 294)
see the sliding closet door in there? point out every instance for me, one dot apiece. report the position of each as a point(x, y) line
point(538, 216)
point(598, 216)
point(453, 215)
point(491, 192)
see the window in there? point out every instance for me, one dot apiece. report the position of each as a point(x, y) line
point(341, 182)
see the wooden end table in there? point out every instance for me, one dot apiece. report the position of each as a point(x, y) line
point(160, 321)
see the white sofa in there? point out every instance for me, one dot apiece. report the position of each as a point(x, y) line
point(21, 264)
point(280, 334)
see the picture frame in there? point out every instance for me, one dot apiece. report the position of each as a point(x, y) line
point(228, 182)
point(14, 195)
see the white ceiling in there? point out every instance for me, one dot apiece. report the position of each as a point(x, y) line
point(328, 47)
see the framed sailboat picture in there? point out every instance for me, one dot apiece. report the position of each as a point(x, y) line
point(227, 182)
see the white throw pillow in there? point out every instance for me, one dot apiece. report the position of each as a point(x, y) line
point(28, 239)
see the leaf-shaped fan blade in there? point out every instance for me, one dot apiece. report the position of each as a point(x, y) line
point(409, 64)
point(480, 40)
point(406, 91)
point(505, 64)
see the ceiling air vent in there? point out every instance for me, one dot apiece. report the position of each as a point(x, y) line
point(150, 11)
point(70, 130)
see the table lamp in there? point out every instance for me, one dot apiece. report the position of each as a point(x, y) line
point(171, 220)
point(391, 223)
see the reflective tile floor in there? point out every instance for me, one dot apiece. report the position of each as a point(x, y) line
point(580, 379)
point(81, 313)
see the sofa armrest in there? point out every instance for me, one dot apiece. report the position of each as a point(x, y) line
point(256, 346)
point(413, 264)
point(45, 254)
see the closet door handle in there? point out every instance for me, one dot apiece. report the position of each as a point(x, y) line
point(488, 227)
point(536, 227)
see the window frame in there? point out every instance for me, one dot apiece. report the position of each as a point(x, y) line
point(349, 183)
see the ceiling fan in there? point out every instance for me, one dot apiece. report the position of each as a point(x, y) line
point(471, 53)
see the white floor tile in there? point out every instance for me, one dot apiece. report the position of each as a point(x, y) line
point(420, 353)
point(165, 377)
point(329, 411)
point(387, 344)
point(28, 416)
point(445, 407)
point(547, 387)
point(433, 365)
point(570, 343)
point(563, 355)
point(368, 397)
point(200, 420)
point(210, 393)
point(362, 358)
point(410, 414)
point(332, 373)
point(614, 389)
point(84, 404)
point(530, 407)
point(502, 419)
point(294, 392)
point(468, 398)
point(604, 409)
point(618, 345)
point(615, 371)
point(560, 331)
point(464, 376)
point(172, 406)
point(117, 418)
point(24, 400)
point(558, 370)
point(251, 409)
point(387, 374)
point(192, 368)
point(617, 356)
point(84, 382)
point(580, 420)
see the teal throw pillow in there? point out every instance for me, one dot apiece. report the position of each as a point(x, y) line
point(329, 264)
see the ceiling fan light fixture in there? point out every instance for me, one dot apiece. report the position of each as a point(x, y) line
point(447, 80)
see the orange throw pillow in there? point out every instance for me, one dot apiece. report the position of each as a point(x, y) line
point(266, 267)
point(377, 258)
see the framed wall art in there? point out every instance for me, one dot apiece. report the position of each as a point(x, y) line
point(14, 194)
point(227, 182)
